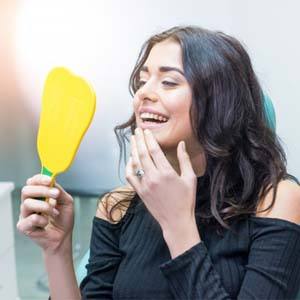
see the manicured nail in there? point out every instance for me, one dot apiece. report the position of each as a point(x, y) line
point(55, 212)
point(183, 146)
point(54, 192)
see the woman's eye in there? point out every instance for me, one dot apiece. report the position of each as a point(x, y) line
point(141, 83)
point(165, 83)
point(169, 83)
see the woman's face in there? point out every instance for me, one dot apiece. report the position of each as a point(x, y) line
point(164, 88)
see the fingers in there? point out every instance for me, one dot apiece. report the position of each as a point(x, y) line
point(43, 190)
point(135, 160)
point(32, 223)
point(63, 197)
point(184, 161)
point(142, 152)
point(52, 202)
point(39, 179)
point(39, 188)
point(32, 191)
point(130, 175)
point(33, 206)
point(34, 213)
point(155, 151)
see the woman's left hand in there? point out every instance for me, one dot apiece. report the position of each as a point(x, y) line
point(169, 197)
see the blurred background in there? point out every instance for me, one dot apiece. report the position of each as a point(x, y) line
point(100, 40)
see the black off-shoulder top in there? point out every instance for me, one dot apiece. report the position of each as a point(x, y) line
point(258, 259)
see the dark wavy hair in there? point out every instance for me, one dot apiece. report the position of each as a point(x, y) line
point(244, 156)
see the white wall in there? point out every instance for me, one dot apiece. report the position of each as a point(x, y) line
point(270, 30)
point(101, 39)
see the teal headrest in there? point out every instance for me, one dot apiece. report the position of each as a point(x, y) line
point(270, 112)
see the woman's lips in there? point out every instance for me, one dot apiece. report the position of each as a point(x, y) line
point(152, 125)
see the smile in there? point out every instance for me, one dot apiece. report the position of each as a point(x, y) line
point(152, 124)
point(153, 118)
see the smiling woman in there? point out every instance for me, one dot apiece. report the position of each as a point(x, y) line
point(204, 215)
point(163, 88)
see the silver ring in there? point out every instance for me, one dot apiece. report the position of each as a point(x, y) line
point(139, 173)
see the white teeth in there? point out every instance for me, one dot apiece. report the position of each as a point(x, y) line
point(153, 116)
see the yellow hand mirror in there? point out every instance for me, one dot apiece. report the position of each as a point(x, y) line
point(68, 107)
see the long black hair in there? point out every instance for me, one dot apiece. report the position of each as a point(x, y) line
point(244, 156)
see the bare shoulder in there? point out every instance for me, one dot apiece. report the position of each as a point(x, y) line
point(109, 200)
point(286, 205)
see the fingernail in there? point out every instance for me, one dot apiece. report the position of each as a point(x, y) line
point(55, 212)
point(183, 146)
point(54, 192)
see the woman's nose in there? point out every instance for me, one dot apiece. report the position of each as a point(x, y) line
point(148, 92)
point(149, 96)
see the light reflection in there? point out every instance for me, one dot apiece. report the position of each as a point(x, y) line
point(57, 33)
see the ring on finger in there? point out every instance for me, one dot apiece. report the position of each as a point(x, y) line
point(140, 173)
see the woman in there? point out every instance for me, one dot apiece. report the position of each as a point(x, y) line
point(208, 212)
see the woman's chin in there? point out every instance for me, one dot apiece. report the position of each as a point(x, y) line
point(161, 134)
point(165, 144)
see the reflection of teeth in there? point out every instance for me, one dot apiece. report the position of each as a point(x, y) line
point(153, 116)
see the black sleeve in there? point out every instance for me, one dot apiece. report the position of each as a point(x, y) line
point(272, 271)
point(104, 260)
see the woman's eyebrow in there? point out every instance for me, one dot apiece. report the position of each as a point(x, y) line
point(163, 69)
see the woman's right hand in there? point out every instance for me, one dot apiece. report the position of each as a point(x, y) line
point(52, 228)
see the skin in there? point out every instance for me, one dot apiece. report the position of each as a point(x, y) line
point(171, 94)
point(169, 197)
point(168, 187)
point(52, 231)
